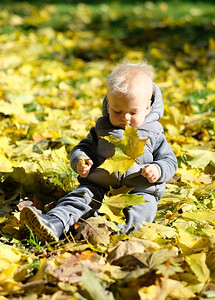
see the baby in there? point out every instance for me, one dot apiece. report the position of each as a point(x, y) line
point(132, 98)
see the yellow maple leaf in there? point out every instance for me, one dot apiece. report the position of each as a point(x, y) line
point(116, 200)
point(127, 151)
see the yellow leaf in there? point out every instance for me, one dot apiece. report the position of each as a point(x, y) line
point(8, 255)
point(193, 176)
point(113, 205)
point(119, 162)
point(4, 144)
point(59, 154)
point(211, 44)
point(185, 240)
point(123, 200)
point(5, 164)
point(7, 281)
point(131, 144)
point(127, 151)
point(203, 216)
point(169, 289)
point(201, 158)
point(40, 273)
point(16, 109)
point(8, 273)
point(197, 263)
point(211, 84)
point(122, 190)
point(115, 215)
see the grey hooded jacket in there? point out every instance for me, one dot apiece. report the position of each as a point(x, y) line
point(156, 151)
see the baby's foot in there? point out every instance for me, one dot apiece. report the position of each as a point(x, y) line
point(41, 225)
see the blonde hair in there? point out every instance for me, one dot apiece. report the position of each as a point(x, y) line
point(120, 79)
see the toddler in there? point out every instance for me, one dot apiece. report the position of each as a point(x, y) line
point(132, 98)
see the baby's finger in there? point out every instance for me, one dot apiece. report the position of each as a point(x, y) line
point(145, 170)
point(151, 180)
point(89, 162)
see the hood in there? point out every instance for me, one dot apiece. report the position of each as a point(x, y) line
point(156, 110)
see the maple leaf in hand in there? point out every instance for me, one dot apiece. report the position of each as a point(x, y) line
point(127, 151)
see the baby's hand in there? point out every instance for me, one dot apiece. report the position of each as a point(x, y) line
point(83, 168)
point(151, 172)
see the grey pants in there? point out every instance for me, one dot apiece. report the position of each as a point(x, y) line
point(83, 202)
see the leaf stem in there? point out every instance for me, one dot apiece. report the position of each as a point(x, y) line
point(139, 162)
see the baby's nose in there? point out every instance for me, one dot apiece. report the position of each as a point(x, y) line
point(127, 117)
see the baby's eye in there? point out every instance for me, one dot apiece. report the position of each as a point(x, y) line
point(117, 112)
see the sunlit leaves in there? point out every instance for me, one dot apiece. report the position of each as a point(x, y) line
point(52, 81)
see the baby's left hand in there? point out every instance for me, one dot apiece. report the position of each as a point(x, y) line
point(151, 172)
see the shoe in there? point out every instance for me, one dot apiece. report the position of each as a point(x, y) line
point(41, 225)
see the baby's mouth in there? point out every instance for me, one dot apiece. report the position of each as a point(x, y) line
point(123, 125)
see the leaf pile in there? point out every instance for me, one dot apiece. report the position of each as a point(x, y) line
point(54, 61)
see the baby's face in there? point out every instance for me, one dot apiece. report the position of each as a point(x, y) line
point(129, 109)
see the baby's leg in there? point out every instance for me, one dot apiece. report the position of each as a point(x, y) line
point(80, 203)
point(136, 214)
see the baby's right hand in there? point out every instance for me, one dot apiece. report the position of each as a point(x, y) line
point(83, 169)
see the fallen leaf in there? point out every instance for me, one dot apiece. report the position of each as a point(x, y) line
point(93, 286)
point(201, 158)
point(129, 246)
point(8, 255)
point(97, 230)
point(197, 263)
point(116, 200)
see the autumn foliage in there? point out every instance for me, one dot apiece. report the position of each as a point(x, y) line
point(54, 60)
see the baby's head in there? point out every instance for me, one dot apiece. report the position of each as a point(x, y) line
point(129, 93)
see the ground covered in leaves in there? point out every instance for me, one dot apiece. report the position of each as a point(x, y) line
point(54, 60)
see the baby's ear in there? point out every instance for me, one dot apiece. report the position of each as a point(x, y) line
point(107, 103)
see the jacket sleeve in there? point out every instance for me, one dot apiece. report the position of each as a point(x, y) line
point(165, 158)
point(87, 147)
